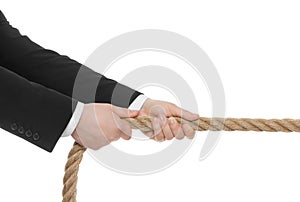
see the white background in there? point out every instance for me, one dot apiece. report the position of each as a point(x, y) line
point(255, 46)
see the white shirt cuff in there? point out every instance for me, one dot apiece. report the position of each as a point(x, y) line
point(138, 102)
point(74, 120)
point(135, 105)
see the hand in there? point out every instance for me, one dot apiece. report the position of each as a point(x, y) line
point(101, 124)
point(164, 127)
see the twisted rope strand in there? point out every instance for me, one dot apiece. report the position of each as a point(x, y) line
point(202, 124)
point(229, 124)
point(71, 172)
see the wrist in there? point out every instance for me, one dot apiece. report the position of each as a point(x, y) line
point(138, 103)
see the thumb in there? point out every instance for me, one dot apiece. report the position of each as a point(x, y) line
point(185, 114)
point(124, 112)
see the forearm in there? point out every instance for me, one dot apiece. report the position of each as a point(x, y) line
point(50, 69)
point(31, 111)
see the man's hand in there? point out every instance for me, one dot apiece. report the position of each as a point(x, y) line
point(101, 124)
point(166, 127)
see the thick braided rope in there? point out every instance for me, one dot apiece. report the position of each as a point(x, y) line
point(202, 124)
point(71, 172)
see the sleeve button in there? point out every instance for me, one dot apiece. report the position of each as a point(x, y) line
point(14, 126)
point(36, 136)
point(28, 133)
point(21, 130)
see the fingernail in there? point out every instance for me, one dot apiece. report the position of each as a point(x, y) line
point(162, 118)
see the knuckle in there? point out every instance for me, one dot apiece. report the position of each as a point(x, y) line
point(149, 134)
point(172, 104)
point(111, 138)
point(157, 137)
point(169, 137)
point(190, 135)
point(160, 137)
point(95, 147)
point(179, 135)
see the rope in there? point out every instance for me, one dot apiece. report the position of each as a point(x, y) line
point(202, 124)
point(71, 171)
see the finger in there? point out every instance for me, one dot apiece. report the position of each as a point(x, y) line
point(124, 113)
point(123, 127)
point(189, 132)
point(116, 138)
point(184, 114)
point(125, 136)
point(149, 134)
point(158, 135)
point(125, 131)
point(176, 128)
point(165, 128)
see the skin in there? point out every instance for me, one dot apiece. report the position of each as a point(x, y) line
point(166, 127)
point(101, 124)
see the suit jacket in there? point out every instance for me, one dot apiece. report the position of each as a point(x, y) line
point(36, 86)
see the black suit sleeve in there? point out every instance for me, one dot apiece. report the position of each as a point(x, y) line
point(19, 54)
point(32, 111)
